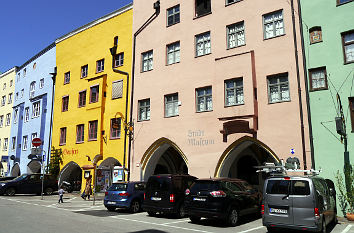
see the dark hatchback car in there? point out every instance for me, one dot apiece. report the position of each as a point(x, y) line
point(221, 198)
point(29, 184)
point(7, 178)
point(165, 194)
point(128, 195)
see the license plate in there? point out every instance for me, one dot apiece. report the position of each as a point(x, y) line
point(156, 198)
point(199, 199)
point(111, 202)
point(278, 211)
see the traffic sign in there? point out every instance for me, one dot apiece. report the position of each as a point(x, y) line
point(292, 151)
point(36, 142)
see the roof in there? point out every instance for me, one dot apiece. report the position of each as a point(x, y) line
point(14, 69)
point(49, 47)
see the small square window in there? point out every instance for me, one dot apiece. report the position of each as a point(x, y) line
point(115, 128)
point(171, 105)
point(235, 35)
point(318, 79)
point(41, 83)
point(348, 46)
point(8, 119)
point(234, 92)
point(273, 24)
point(173, 15)
point(204, 100)
point(144, 110)
point(202, 7)
point(80, 136)
point(147, 61)
point(94, 91)
point(36, 108)
point(82, 98)
point(173, 53)
point(84, 71)
point(67, 78)
point(119, 59)
point(93, 130)
point(65, 104)
point(62, 140)
point(315, 35)
point(202, 44)
point(100, 66)
point(278, 88)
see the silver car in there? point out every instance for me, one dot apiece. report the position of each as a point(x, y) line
point(296, 202)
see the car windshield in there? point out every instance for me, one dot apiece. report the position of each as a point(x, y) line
point(118, 187)
point(205, 186)
point(158, 183)
point(21, 177)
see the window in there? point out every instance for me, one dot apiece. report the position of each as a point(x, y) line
point(171, 105)
point(82, 98)
point(15, 115)
point(4, 86)
point(315, 35)
point(24, 72)
point(24, 142)
point(41, 83)
point(84, 71)
point(318, 79)
point(339, 2)
point(22, 92)
point(100, 66)
point(3, 100)
point(1, 121)
point(67, 78)
point(93, 130)
point(204, 99)
point(202, 44)
point(147, 61)
point(119, 59)
point(173, 16)
point(13, 145)
point(11, 82)
point(9, 99)
point(273, 24)
point(36, 107)
point(234, 92)
point(115, 128)
point(173, 53)
point(8, 119)
point(231, 1)
point(278, 187)
point(348, 46)
point(16, 96)
point(94, 91)
point(65, 104)
point(33, 135)
point(117, 89)
point(62, 140)
point(18, 77)
point(0, 143)
point(235, 35)
point(351, 107)
point(32, 89)
point(278, 88)
point(80, 133)
point(26, 114)
point(202, 7)
point(144, 110)
point(6, 142)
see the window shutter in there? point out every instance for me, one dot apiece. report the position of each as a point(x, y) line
point(117, 89)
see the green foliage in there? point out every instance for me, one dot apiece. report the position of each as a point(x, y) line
point(55, 161)
point(346, 190)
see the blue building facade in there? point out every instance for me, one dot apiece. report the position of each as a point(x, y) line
point(32, 111)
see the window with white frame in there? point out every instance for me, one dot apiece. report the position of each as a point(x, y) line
point(147, 61)
point(3, 100)
point(204, 100)
point(41, 83)
point(16, 96)
point(144, 110)
point(100, 66)
point(202, 44)
point(13, 146)
point(6, 143)
point(33, 135)
point(22, 92)
point(26, 119)
point(173, 53)
point(171, 105)
point(9, 99)
point(18, 77)
point(36, 108)
point(8, 119)
point(318, 79)
point(119, 59)
point(234, 92)
point(273, 24)
point(1, 120)
point(32, 89)
point(24, 72)
point(24, 142)
point(278, 88)
point(173, 15)
point(348, 46)
point(15, 115)
point(235, 35)
point(67, 77)
point(84, 71)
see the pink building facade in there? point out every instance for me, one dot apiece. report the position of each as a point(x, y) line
point(216, 88)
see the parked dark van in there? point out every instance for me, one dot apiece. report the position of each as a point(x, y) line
point(306, 203)
point(222, 198)
point(29, 184)
point(165, 194)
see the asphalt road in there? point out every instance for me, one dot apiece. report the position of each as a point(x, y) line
point(27, 214)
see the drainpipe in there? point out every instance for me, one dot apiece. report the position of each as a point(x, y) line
point(299, 87)
point(307, 88)
point(54, 75)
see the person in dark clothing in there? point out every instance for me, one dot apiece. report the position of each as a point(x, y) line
point(61, 194)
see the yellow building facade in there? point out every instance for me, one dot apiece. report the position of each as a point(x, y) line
point(91, 101)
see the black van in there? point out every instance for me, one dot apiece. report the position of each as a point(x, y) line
point(165, 194)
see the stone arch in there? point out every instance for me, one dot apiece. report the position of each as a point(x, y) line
point(163, 156)
point(71, 173)
point(16, 171)
point(34, 167)
point(105, 173)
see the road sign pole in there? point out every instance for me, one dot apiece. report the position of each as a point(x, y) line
point(42, 174)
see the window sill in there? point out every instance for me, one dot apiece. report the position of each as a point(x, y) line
point(143, 120)
point(92, 140)
point(274, 37)
point(143, 71)
point(229, 4)
point(229, 48)
point(346, 63)
point(114, 138)
point(81, 106)
point(204, 111)
point(203, 55)
point(200, 16)
point(172, 24)
point(80, 142)
point(340, 4)
point(97, 72)
point(94, 102)
point(316, 42)
point(172, 63)
point(62, 144)
point(118, 66)
point(234, 105)
point(319, 89)
point(171, 116)
point(278, 102)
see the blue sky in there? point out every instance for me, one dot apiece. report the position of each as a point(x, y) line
point(28, 26)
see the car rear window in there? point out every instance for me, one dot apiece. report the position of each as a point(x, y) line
point(118, 187)
point(158, 183)
point(139, 186)
point(298, 187)
point(205, 186)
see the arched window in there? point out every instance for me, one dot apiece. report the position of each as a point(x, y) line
point(32, 89)
point(315, 34)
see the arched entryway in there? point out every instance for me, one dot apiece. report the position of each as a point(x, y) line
point(163, 157)
point(33, 167)
point(105, 173)
point(71, 173)
point(241, 157)
point(15, 171)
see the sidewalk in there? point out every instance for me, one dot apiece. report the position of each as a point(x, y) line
point(98, 197)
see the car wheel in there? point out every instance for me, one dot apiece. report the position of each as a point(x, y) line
point(151, 213)
point(10, 191)
point(135, 206)
point(194, 219)
point(324, 227)
point(232, 218)
point(111, 208)
point(181, 212)
point(48, 191)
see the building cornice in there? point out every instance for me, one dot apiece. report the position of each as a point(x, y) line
point(14, 69)
point(96, 22)
point(52, 45)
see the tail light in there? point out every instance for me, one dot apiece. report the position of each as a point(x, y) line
point(144, 196)
point(172, 198)
point(187, 192)
point(317, 213)
point(219, 193)
point(262, 209)
point(124, 194)
point(105, 193)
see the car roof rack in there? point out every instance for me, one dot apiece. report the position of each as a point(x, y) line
point(282, 169)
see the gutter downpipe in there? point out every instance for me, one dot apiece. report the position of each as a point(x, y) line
point(54, 75)
point(147, 22)
point(299, 87)
point(307, 88)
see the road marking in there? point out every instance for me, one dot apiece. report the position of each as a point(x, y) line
point(256, 228)
point(186, 220)
point(71, 199)
point(347, 229)
point(158, 224)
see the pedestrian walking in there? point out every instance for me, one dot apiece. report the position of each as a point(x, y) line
point(61, 194)
point(88, 189)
